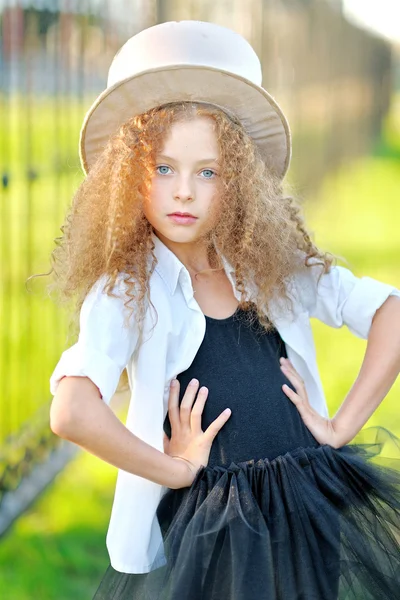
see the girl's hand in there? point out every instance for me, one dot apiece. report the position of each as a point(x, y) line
point(322, 428)
point(188, 442)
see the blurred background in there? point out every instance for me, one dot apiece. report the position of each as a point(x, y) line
point(333, 66)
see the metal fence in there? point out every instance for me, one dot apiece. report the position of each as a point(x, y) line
point(332, 80)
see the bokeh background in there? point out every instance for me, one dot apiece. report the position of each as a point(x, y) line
point(333, 66)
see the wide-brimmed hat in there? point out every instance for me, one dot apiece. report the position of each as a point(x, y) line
point(188, 61)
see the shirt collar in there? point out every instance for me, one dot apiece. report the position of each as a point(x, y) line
point(169, 266)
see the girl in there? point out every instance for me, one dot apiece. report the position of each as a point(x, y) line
point(197, 273)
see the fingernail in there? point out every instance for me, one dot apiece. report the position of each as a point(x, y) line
point(174, 382)
point(227, 411)
point(193, 382)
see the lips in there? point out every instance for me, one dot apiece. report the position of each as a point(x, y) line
point(179, 214)
point(182, 219)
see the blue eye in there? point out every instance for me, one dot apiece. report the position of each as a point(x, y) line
point(164, 170)
point(209, 172)
point(158, 169)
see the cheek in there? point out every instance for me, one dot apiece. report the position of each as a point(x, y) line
point(153, 199)
point(158, 191)
point(150, 207)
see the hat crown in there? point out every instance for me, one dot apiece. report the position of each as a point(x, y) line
point(191, 43)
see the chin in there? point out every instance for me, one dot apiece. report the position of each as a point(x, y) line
point(181, 236)
point(178, 234)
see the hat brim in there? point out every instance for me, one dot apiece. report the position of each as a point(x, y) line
point(253, 106)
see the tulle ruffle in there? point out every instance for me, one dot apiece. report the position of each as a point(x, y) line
point(316, 523)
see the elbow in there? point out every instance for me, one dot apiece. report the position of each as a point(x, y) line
point(71, 406)
point(58, 427)
point(61, 418)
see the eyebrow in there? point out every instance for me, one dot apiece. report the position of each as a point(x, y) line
point(199, 162)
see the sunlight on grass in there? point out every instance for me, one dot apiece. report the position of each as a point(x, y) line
point(356, 215)
point(57, 550)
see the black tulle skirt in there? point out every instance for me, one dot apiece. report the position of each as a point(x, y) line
point(316, 523)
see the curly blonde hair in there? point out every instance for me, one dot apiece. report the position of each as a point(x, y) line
point(261, 233)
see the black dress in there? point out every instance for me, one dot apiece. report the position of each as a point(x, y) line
point(274, 515)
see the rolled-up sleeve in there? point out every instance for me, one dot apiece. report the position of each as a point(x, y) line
point(341, 298)
point(104, 346)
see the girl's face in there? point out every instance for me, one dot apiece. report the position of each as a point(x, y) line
point(185, 180)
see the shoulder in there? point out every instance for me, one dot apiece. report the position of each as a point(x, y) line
point(109, 301)
point(303, 285)
point(339, 297)
point(312, 284)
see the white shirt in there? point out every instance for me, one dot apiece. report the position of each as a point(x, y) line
point(105, 348)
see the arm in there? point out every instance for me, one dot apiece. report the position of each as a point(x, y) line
point(379, 370)
point(370, 309)
point(80, 415)
point(84, 382)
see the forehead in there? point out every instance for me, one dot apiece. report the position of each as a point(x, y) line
point(196, 134)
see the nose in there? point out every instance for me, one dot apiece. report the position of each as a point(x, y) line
point(183, 188)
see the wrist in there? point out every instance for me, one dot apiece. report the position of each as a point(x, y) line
point(343, 434)
point(191, 465)
point(184, 472)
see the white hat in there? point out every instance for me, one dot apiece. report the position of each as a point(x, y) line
point(188, 61)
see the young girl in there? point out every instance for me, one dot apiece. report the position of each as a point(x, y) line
point(197, 274)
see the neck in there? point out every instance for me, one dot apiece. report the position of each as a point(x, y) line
point(192, 254)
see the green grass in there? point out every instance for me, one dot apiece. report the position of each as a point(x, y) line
point(356, 215)
point(57, 550)
point(39, 137)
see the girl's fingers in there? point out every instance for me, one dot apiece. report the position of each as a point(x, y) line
point(212, 430)
point(293, 376)
point(197, 411)
point(286, 368)
point(166, 442)
point(298, 397)
point(294, 397)
point(297, 384)
point(173, 403)
point(302, 407)
point(187, 402)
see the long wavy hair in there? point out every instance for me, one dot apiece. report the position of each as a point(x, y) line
point(106, 234)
